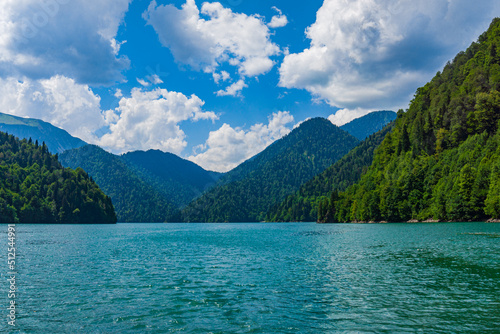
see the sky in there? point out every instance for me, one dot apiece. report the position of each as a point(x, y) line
point(217, 82)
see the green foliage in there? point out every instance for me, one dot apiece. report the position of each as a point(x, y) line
point(303, 204)
point(441, 159)
point(134, 199)
point(35, 188)
point(247, 192)
point(177, 179)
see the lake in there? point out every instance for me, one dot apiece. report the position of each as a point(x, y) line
point(255, 278)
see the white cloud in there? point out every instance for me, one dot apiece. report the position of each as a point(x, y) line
point(118, 93)
point(367, 53)
point(154, 79)
point(234, 89)
point(227, 147)
point(150, 120)
point(223, 75)
point(279, 20)
point(218, 37)
point(344, 116)
point(145, 120)
point(58, 100)
point(149, 80)
point(143, 82)
point(40, 39)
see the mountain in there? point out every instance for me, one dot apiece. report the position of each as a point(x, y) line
point(177, 179)
point(35, 188)
point(57, 140)
point(442, 159)
point(134, 199)
point(303, 204)
point(248, 191)
point(364, 126)
point(144, 186)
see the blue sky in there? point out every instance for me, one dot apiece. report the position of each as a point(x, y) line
point(216, 82)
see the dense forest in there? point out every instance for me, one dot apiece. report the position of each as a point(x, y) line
point(177, 179)
point(247, 192)
point(442, 160)
point(134, 199)
point(368, 124)
point(303, 204)
point(35, 188)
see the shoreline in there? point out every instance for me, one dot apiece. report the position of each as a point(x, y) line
point(414, 221)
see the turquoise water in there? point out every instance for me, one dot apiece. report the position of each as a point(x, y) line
point(256, 278)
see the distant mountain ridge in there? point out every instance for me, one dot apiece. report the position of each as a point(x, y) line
point(178, 179)
point(368, 124)
point(246, 192)
point(134, 199)
point(56, 139)
point(153, 186)
point(144, 186)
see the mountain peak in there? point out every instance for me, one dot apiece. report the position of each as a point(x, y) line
point(368, 124)
point(56, 139)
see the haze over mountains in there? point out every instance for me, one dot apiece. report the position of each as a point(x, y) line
point(56, 139)
point(364, 126)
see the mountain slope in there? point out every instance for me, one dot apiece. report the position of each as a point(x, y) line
point(364, 126)
point(248, 191)
point(35, 188)
point(303, 204)
point(134, 199)
point(177, 179)
point(442, 160)
point(57, 140)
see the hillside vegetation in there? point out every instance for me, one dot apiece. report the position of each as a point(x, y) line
point(442, 160)
point(247, 192)
point(135, 200)
point(35, 188)
point(303, 204)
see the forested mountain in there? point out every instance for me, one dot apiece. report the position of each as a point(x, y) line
point(442, 160)
point(177, 179)
point(57, 140)
point(247, 192)
point(303, 204)
point(133, 198)
point(145, 186)
point(35, 188)
point(364, 126)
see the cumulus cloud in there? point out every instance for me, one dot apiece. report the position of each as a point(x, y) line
point(40, 39)
point(374, 53)
point(145, 120)
point(279, 20)
point(234, 89)
point(58, 100)
point(223, 75)
point(150, 120)
point(227, 147)
point(217, 36)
